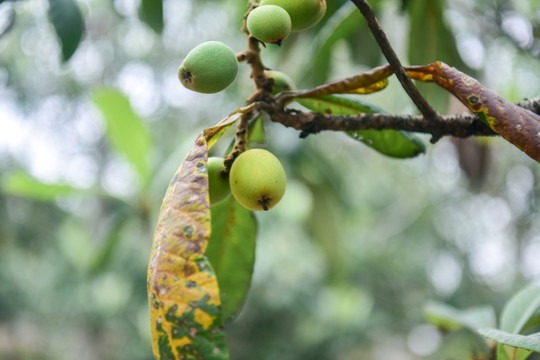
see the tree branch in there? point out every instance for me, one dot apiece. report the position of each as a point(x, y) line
point(463, 125)
point(252, 56)
point(531, 104)
point(430, 122)
point(394, 62)
point(457, 125)
point(240, 141)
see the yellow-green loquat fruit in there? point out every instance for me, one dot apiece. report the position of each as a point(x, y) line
point(257, 179)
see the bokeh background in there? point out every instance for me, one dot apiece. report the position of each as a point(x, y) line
point(360, 242)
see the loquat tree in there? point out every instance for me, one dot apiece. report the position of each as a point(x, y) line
point(335, 212)
point(189, 291)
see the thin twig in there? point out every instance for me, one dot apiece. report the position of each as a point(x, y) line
point(263, 92)
point(252, 56)
point(394, 62)
point(240, 141)
point(263, 83)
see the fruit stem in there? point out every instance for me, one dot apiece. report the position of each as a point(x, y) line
point(252, 56)
point(264, 85)
point(240, 141)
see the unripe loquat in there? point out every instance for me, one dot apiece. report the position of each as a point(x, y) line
point(218, 184)
point(208, 68)
point(257, 179)
point(282, 81)
point(269, 24)
point(304, 13)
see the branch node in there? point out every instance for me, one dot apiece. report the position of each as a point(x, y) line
point(308, 129)
point(240, 141)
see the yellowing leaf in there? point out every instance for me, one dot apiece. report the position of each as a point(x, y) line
point(183, 293)
point(515, 124)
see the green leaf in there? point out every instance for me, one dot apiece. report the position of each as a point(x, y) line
point(393, 143)
point(522, 307)
point(519, 314)
point(505, 352)
point(528, 342)
point(151, 12)
point(183, 292)
point(463, 344)
point(448, 318)
point(231, 252)
point(256, 131)
point(68, 23)
point(335, 104)
point(430, 39)
point(22, 184)
point(125, 130)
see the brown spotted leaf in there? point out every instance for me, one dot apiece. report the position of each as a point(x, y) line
point(183, 294)
point(517, 125)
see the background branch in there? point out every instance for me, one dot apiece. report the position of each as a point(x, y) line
point(381, 38)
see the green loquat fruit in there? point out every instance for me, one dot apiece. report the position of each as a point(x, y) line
point(282, 81)
point(218, 184)
point(257, 179)
point(269, 24)
point(208, 68)
point(304, 13)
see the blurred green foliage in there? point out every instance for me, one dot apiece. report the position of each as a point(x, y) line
point(360, 243)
